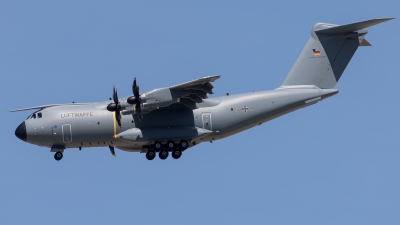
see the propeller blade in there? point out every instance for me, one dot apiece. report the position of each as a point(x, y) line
point(136, 93)
point(115, 95)
point(138, 108)
point(115, 107)
point(119, 108)
point(134, 86)
point(118, 117)
point(135, 99)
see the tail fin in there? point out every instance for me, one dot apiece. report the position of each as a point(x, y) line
point(327, 53)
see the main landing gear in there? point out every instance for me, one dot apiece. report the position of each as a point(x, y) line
point(58, 156)
point(176, 154)
point(163, 154)
point(150, 155)
point(163, 150)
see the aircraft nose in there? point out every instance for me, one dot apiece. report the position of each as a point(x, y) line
point(20, 132)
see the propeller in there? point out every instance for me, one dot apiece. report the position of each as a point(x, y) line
point(135, 99)
point(115, 107)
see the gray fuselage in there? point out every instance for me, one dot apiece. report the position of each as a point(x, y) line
point(91, 125)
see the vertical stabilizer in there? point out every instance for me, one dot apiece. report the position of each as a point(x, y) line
point(327, 53)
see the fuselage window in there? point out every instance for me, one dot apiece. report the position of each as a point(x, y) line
point(33, 116)
point(39, 115)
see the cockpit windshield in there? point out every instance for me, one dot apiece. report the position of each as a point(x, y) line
point(35, 115)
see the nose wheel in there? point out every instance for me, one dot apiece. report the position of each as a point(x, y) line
point(58, 156)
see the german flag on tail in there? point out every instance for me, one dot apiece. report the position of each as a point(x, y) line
point(316, 53)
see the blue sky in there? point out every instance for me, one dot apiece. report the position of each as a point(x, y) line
point(336, 162)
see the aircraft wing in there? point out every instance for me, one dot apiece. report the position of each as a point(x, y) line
point(195, 83)
point(196, 90)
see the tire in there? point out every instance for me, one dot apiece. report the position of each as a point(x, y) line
point(183, 145)
point(150, 155)
point(163, 154)
point(170, 145)
point(176, 154)
point(58, 156)
point(157, 146)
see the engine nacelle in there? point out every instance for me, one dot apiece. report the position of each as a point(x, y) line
point(154, 99)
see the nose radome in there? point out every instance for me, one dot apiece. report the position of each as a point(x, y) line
point(20, 132)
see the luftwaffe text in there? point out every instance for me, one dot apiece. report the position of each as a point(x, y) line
point(82, 114)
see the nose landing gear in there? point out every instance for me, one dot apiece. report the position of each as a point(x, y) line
point(58, 156)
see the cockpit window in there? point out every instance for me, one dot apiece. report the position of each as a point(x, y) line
point(33, 116)
point(39, 115)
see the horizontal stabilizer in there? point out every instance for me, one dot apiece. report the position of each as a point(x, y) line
point(350, 27)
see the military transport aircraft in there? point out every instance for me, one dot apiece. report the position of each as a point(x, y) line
point(173, 119)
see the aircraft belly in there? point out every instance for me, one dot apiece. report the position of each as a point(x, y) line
point(162, 133)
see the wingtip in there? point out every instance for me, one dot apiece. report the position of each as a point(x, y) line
point(385, 19)
point(214, 77)
point(382, 20)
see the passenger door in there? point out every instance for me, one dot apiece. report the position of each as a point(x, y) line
point(66, 133)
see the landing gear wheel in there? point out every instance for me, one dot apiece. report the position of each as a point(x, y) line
point(150, 155)
point(157, 146)
point(163, 154)
point(58, 156)
point(176, 154)
point(170, 145)
point(183, 145)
